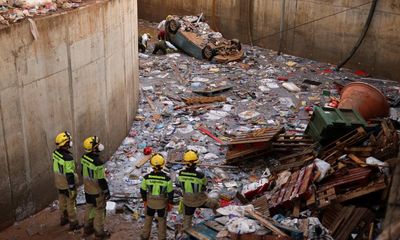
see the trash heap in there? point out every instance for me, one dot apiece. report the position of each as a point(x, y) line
point(196, 24)
point(12, 11)
point(250, 121)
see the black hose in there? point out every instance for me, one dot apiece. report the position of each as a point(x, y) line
point(362, 36)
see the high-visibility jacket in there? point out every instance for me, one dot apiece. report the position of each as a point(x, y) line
point(64, 169)
point(193, 184)
point(157, 190)
point(93, 172)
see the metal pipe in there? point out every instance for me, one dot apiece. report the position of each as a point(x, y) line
point(362, 36)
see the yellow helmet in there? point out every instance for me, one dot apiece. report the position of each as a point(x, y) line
point(190, 157)
point(64, 138)
point(92, 143)
point(157, 161)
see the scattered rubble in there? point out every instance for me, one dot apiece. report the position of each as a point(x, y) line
point(272, 179)
point(12, 11)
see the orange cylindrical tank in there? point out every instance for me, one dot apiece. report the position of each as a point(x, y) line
point(366, 99)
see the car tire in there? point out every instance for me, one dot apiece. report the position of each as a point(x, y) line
point(208, 52)
point(236, 43)
point(173, 26)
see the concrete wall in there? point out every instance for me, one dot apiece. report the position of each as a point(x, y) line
point(80, 75)
point(328, 39)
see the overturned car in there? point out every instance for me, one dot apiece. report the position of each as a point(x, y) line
point(195, 37)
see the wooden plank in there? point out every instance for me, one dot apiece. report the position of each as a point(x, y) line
point(266, 223)
point(203, 100)
point(377, 186)
point(142, 161)
point(357, 160)
point(296, 209)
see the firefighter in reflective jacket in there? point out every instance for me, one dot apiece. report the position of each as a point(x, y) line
point(157, 194)
point(96, 188)
point(65, 180)
point(193, 184)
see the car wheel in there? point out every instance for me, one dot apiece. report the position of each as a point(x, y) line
point(173, 26)
point(208, 52)
point(235, 42)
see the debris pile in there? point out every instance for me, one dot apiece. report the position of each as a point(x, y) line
point(195, 37)
point(12, 11)
point(272, 179)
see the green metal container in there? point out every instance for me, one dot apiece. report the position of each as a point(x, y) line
point(329, 124)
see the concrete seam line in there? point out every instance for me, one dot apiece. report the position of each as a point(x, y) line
point(71, 88)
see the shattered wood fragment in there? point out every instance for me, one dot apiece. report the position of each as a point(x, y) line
point(203, 100)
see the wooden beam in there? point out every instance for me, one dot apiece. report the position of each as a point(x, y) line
point(142, 161)
point(266, 223)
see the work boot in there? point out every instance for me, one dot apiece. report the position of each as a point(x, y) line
point(162, 228)
point(104, 234)
point(88, 229)
point(187, 222)
point(64, 219)
point(74, 226)
point(148, 220)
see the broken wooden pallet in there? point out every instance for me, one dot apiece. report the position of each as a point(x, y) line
point(292, 143)
point(295, 160)
point(346, 177)
point(296, 187)
point(343, 221)
point(375, 186)
point(331, 152)
point(252, 144)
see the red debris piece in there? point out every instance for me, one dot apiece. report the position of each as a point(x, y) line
point(281, 78)
point(147, 150)
point(326, 71)
point(361, 73)
point(208, 133)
